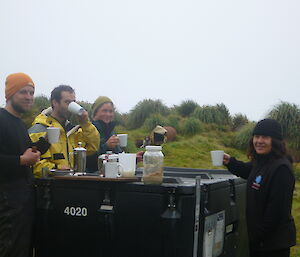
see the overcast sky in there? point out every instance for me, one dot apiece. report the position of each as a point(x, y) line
point(245, 54)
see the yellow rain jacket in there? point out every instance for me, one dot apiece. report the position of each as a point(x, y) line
point(57, 155)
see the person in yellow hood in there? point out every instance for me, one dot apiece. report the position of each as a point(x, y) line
point(57, 157)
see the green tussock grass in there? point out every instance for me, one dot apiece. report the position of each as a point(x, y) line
point(194, 152)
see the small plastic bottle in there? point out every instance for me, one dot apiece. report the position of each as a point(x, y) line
point(153, 161)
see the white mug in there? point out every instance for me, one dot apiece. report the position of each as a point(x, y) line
point(75, 108)
point(112, 169)
point(217, 157)
point(53, 134)
point(122, 139)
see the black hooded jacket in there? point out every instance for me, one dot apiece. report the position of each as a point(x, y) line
point(270, 186)
point(106, 131)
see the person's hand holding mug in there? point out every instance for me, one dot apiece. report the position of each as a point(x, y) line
point(30, 157)
point(84, 117)
point(112, 142)
point(226, 158)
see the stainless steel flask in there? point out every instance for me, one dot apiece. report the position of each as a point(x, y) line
point(79, 158)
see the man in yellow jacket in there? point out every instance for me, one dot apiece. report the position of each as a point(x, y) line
point(57, 157)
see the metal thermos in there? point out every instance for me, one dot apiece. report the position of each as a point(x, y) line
point(79, 158)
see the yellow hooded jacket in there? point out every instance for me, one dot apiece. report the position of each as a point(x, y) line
point(57, 155)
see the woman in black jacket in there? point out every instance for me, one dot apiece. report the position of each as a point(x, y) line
point(270, 186)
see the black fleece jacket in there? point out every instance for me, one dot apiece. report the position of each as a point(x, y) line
point(270, 186)
point(14, 140)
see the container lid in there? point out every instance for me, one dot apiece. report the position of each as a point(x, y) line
point(153, 148)
point(102, 156)
point(113, 156)
point(79, 148)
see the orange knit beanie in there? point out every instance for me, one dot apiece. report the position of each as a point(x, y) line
point(14, 82)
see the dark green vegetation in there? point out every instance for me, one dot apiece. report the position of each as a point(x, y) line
point(201, 129)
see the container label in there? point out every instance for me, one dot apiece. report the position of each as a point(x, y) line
point(76, 211)
point(214, 229)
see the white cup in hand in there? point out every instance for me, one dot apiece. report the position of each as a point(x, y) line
point(53, 134)
point(75, 108)
point(217, 157)
point(123, 139)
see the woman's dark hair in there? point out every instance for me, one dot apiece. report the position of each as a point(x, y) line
point(278, 150)
point(56, 92)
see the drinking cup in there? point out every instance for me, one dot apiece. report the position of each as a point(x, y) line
point(75, 108)
point(53, 134)
point(217, 157)
point(122, 139)
point(112, 169)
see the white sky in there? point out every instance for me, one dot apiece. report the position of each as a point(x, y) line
point(245, 54)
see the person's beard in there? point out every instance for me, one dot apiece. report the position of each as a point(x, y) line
point(65, 115)
point(17, 107)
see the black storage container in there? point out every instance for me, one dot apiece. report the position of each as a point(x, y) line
point(183, 217)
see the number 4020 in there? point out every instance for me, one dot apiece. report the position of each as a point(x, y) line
point(76, 211)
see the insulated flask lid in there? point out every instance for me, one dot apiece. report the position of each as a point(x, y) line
point(80, 148)
point(113, 158)
point(153, 148)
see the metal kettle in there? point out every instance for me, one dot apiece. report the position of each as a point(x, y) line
point(79, 158)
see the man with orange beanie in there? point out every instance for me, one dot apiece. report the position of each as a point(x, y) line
point(16, 180)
